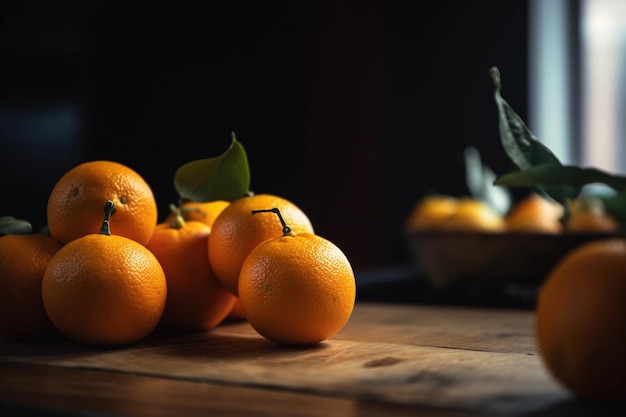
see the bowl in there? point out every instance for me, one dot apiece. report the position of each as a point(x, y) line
point(449, 258)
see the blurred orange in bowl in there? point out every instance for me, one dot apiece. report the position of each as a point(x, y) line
point(588, 214)
point(535, 213)
point(431, 212)
point(475, 216)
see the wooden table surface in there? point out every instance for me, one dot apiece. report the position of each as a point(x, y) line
point(389, 360)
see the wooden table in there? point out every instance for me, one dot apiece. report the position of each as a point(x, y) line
point(389, 360)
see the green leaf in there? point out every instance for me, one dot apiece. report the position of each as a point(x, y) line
point(561, 175)
point(480, 182)
point(11, 226)
point(523, 147)
point(519, 143)
point(225, 177)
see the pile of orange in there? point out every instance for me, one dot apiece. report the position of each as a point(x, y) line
point(109, 273)
point(93, 278)
point(531, 214)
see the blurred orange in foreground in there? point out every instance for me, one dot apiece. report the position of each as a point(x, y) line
point(580, 320)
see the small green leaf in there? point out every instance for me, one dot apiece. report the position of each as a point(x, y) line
point(225, 177)
point(480, 182)
point(12, 226)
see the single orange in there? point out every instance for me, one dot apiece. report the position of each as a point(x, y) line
point(75, 203)
point(581, 317)
point(472, 215)
point(296, 289)
point(236, 232)
point(236, 313)
point(588, 214)
point(536, 214)
point(23, 259)
point(431, 212)
point(205, 212)
point(103, 289)
point(196, 301)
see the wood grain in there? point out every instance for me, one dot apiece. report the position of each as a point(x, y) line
point(38, 391)
point(468, 360)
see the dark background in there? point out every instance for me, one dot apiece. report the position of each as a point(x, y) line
point(351, 109)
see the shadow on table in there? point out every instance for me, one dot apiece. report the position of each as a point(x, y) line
point(580, 408)
point(407, 284)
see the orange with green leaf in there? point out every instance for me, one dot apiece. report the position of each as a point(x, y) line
point(234, 233)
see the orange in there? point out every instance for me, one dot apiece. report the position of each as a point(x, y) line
point(236, 313)
point(535, 213)
point(296, 289)
point(236, 232)
point(431, 212)
point(205, 212)
point(581, 317)
point(23, 259)
point(75, 203)
point(196, 301)
point(588, 214)
point(473, 215)
point(104, 289)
